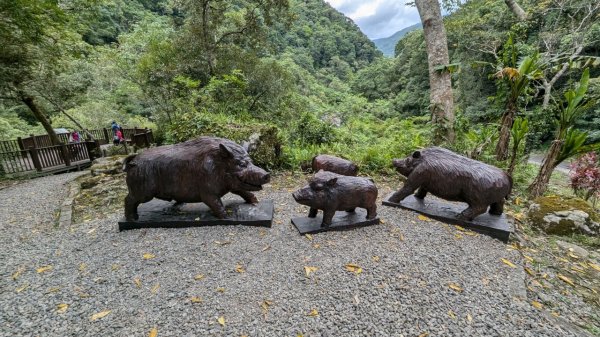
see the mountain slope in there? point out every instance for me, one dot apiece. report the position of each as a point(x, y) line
point(387, 44)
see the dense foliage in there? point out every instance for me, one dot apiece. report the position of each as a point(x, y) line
point(298, 71)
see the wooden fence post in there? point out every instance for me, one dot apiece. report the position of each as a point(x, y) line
point(35, 143)
point(33, 151)
point(147, 137)
point(108, 140)
point(65, 154)
point(22, 147)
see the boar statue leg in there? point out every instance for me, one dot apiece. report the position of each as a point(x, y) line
point(351, 210)
point(372, 212)
point(497, 208)
point(404, 192)
point(312, 213)
point(216, 206)
point(327, 217)
point(248, 197)
point(472, 211)
point(131, 205)
point(421, 193)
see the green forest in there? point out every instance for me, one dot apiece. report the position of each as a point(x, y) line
point(302, 78)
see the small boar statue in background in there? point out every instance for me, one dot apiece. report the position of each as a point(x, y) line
point(453, 177)
point(333, 192)
point(334, 164)
point(199, 170)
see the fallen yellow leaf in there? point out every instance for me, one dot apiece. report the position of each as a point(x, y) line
point(566, 279)
point(82, 266)
point(528, 258)
point(196, 299)
point(316, 246)
point(376, 258)
point(469, 318)
point(508, 263)
point(573, 255)
point(455, 286)
point(61, 308)
point(239, 269)
point(594, 266)
point(221, 320)
point(198, 277)
point(424, 334)
point(153, 332)
point(99, 315)
point(53, 290)
point(470, 233)
point(577, 269)
point(460, 228)
point(221, 290)
point(353, 268)
point(138, 282)
point(529, 271)
point(155, 288)
point(537, 304)
point(423, 218)
point(148, 256)
point(451, 314)
point(43, 269)
point(18, 273)
point(308, 236)
point(555, 314)
point(309, 270)
point(313, 313)
point(457, 236)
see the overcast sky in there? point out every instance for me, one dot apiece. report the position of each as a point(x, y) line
point(378, 18)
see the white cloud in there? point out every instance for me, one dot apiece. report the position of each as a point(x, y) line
point(378, 18)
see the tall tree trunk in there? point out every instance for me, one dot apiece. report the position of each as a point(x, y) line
point(440, 92)
point(540, 183)
point(516, 9)
point(505, 126)
point(41, 117)
point(513, 159)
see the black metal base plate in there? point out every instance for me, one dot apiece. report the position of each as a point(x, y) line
point(496, 226)
point(341, 221)
point(163, 214)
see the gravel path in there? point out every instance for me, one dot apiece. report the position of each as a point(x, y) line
point(253, 278)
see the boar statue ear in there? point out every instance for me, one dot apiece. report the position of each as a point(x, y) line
point(225, 151)
point(417, 154)
point(331, 182)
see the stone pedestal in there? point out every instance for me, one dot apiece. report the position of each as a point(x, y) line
point(159, 213)
point(341, 221)
point(496, 226)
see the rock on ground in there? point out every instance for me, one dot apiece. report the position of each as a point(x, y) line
point(417, 276)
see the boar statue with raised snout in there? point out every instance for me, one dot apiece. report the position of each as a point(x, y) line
point(334, 164)
point(453, 177)
point(199, 170)
point(333, 192)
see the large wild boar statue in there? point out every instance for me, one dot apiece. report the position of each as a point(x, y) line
point(453, 177)
point(333, 192)
point(199, 170)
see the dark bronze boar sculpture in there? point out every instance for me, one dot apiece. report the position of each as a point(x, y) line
point(334, 164)
point(453, 177)
point(333, 192)
point(199, 170)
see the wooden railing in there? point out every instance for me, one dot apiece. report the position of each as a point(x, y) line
point(36, 153)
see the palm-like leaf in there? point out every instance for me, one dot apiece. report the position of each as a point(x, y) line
point(572, 144)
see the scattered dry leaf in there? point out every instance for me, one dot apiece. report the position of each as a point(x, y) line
point(455, 286)
point(199, 277)
point(528, 258)
point(267, 247)
point(154, 289)
point(451, 314)
point(469, 318)
point(423, 218)
point(138, 282)
point(221, 320)
point(18, 273)
point(313, 313)
point(61, 308)
point(566, 279)
point(555, 314)
point(43, 269)
point(99, 315)
point(508, 263)
point(222, 243)
point(221, 290)
point(424, 334)
point(148, 256)
point(376, 258)
point(537, 304)
point(594, 266)
point(316, 246)
point(351, 267)
point(196, 299)
point(529, 271)
point(240, 269)
point(153, 332)
point(308, 270)
point(82, 266)
point(308, 236)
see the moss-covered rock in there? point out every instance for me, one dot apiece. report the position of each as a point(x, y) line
point(563, 216)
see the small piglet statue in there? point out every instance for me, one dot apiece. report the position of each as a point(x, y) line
point(333, 192)
point(334, 164)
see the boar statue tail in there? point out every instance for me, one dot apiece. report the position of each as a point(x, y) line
point(510, 180)
point(127, 164)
